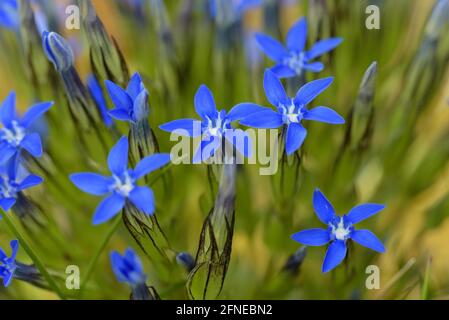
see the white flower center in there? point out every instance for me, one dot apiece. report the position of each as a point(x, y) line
point(289, 113)
point(215, 128)
point(295, 62)
point(123, 186)
point(15, 135)
point(339, 231)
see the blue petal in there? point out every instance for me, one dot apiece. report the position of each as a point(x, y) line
point(34, 113)
point(135, 86)
point(7, 279)
point(14, 244)
point(7, 203)
point(272, 48)
point(312, 237)
point(296, 134)
point(297, 36)
point(206, 149)
point(363, 211)
point(143, 199)
point(92, 183)
point(314, 67)
point(274, 90)
point(3, 255)
point(32, 143)
point(97, 94)
point(241, 140)
point(324, 114)
point(108, 208)
point(323, 207)
point(334, 255)
point(183, 127)
point(311, 90)
point(119, 97)
point(118, 157)
point(6, 152)
point(117, 266)
point(8, 109)
point(30, 181)
point(367, 239)
point(322, 47)
point(268, 119)
point(120, 114)
point(133, 260)
point(150, 164)
point(205, 103)
point(244, 110)
point(282, 71)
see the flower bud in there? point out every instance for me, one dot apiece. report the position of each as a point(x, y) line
point(58, 50)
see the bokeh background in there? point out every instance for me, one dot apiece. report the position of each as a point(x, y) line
point(400, 162)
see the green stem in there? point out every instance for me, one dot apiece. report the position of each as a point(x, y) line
point(31, 253)
point(93, 262)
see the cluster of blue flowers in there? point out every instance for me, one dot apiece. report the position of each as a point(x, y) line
point(16, 136)
point(121, 187)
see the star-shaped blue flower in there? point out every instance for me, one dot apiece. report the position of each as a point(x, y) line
point(290, 111)
point(339, 230)
point(12, 182)
point(15, 134)
point(122, 185)
point(214, 126)
point(128, 268)
point(8, 264)
point(295, 59)
point(131, 104)
point(9, 14)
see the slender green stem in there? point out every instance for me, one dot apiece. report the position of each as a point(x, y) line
point(32, 254)
point(93, 262)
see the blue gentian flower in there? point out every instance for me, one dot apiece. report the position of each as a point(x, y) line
point(15, 134)
point(58, 51)
point(8, 264)
point(229, 11)
point(122, 186)
point(9, 14)
point(97, 94)
point(294, 60)
point(131, 104)
point(128, 268)
point(214, 125)
point(339, 230)
point(12, 182)
point(291, 111)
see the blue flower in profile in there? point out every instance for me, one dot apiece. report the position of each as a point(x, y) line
point(12, 182)
point(339, 230)
point(131, 104)
point(128, 268)
point(295, 59)
point(97, 94)
point(291, 111)
point(122, 185)
point(8, 264)
point(15, 134)
point(9, 14)
point(214, 126)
